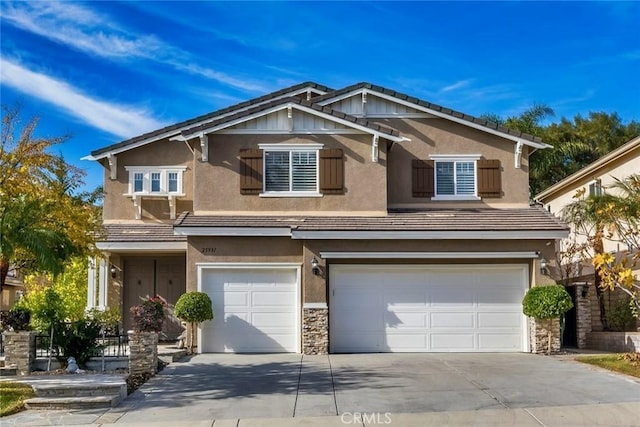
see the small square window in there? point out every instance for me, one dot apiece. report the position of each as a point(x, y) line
point(455, 178)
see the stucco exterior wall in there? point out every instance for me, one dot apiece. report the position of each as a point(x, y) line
point(116, 206)
point(621, 168)
point(218, 179)
point(439, 136)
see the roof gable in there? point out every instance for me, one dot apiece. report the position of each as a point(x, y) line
point(425, 107)
point(630, 150)
point(306, 90)
point(282, 120)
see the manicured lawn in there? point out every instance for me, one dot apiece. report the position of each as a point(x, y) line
point(12, 397)
point(614, 362)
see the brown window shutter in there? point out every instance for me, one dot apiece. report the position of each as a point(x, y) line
point(489, 178)
point(422, 178)
point(332, 171)
point(251, 171)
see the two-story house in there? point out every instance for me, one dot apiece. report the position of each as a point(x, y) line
point(594, 179)
point(320, 220)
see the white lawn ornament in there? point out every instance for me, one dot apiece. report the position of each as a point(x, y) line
point(72, 366)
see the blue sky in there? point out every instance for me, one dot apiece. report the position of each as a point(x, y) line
point(106, 71)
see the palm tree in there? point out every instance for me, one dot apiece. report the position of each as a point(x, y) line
point(27, 241)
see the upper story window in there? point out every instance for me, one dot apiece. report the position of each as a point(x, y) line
point(455, 177)
point(595, 188)
point(155, 180)
point(291, 170)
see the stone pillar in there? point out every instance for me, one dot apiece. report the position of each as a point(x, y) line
point(143, 352)
point(583, 314)
point(20, 350)
point(540, 337)
point(315, 329)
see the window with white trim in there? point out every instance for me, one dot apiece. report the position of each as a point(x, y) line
point(157, 180)
point(455, 177)
point(291, 169)
point(595, 188)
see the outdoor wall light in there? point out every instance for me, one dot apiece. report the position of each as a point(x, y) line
point(113, 271)
point(585, 290)
point(315, 269)
point(543, 266)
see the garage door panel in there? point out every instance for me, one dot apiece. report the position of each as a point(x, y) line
point(255, 310)
point(405, 320)
point(498, 320)
point(427, 308)
point(452, 320)
point(272, 299)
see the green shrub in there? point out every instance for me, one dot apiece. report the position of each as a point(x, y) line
point(16, 319)
point(78, 339)
point(620, 317)
point(194, 307)
point(546, 303)
point(108, 319)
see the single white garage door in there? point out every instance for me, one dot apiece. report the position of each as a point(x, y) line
point(255, 310)
point(412, 308)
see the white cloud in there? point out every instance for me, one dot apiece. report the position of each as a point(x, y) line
point(457, 85)
point(80, 28)
point(121, 120)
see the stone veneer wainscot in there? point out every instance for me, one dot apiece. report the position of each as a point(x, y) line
point(315, 329)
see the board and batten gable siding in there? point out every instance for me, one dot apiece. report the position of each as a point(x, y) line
point(279, 120)
point(374, 106)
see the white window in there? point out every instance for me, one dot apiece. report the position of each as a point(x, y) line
point(291, 170)
point(455, 177)
point(595, 188)
point(157, 180)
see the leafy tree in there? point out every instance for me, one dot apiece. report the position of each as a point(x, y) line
point(42, 221)
point(621, 214)
point(70, 288)
point(194, 307)
point(546, 303)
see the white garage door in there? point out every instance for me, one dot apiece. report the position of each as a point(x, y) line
point(410, 308)
point(255, 310)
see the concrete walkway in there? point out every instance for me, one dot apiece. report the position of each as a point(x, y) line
point(364, 390)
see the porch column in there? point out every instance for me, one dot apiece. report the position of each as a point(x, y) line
point(91, 284)
point(102, 282)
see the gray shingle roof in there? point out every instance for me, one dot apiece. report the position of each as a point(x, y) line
point(427, 104)
point(208, 116)
point(486, 219)
point(326, 110)
point(140, 233)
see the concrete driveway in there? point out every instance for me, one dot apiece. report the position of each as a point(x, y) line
point(217, 386)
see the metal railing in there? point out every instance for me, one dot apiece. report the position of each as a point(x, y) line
point(1, 344)
point(110, 346)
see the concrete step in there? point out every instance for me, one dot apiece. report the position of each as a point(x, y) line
point(173, 355)
point(69, 389)
point(83, 402)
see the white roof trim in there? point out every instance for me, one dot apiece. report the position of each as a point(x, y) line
point(437, 114)
point(423, 235)
point(299, 108)
point(427, 255)
point(589, 169)
point(232, 231)
point(176, 132)
point(142, 246)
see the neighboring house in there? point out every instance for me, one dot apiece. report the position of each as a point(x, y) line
point(594, 179)
point(12, 290)
point(320, 220)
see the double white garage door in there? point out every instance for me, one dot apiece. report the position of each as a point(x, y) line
point(384, 308)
